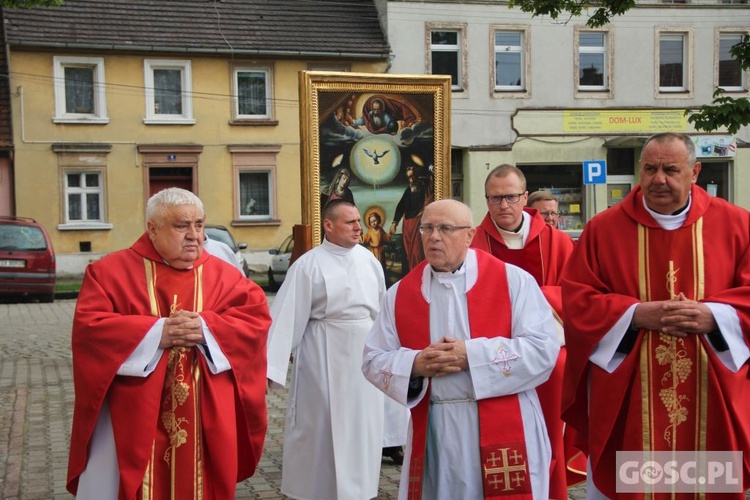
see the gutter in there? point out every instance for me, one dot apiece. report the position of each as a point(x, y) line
point(198, 50)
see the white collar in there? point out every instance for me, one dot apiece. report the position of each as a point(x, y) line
point(522, 234)
point(669, 221)
point(470, 268)
point(334, 248)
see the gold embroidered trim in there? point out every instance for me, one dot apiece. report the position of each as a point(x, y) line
point(176, 395)
point(198, 454)
point(151, 287)
point(148, 477)
point(671, 351)
point(642, 264)
point(645, 359)
point(178, 390)
point(646, 399)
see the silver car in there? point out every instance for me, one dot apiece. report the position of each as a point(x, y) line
point(280, 263)
point(221, 233)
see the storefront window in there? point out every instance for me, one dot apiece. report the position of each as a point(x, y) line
point(566, 183)
point(714, 178)
point(621, 161)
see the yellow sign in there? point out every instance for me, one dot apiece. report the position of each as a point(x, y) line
point(621, 121)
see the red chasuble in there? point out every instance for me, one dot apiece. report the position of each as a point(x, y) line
point(543, 256)
point(182, 427)
point(502, 443)
point(669, 393)
point(546, 251)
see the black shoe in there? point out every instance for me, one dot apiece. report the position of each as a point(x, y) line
point(395, 453)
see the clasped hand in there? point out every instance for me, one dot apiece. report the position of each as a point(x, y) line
point(679, 317)
point(182, 329)
point(443, 357)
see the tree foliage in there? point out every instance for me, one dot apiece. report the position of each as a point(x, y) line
point(724, 111)
point(604, 10)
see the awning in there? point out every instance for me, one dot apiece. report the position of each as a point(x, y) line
point(626, 141)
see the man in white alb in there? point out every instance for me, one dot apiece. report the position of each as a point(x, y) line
point(322, 314)
point(464, 339)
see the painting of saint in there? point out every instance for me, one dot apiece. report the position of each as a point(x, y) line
point(377, 148)
point(375, 238)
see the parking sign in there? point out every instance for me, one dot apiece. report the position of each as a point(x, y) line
point(595, 172)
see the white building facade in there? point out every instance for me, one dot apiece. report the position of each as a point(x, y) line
point(548, 95)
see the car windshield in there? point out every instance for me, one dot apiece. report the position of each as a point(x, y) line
point(22, 238)
point(288, 245)
point(221, 235)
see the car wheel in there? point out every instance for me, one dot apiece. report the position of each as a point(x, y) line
point(272, 285)
point(47, 298)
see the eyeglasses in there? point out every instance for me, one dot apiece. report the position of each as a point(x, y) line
point(549, 214)
point(443, 229)
point(496, 199)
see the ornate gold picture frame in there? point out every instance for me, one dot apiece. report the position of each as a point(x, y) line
point(383, 142)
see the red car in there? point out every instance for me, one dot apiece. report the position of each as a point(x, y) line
point(27, 260)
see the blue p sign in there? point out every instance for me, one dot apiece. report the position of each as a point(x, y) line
point(595, 172)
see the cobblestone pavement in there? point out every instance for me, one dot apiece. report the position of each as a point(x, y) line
point(36, 405)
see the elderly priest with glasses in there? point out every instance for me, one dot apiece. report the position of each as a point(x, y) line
point(520, 236)
point(463, 340)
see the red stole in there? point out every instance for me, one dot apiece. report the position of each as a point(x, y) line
point(176, 469)
point(502, 444)
point(543, 256)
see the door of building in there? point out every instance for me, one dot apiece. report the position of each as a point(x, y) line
point(6, 188)
point(161, 178)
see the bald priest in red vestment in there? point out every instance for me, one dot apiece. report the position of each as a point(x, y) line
point(656, 298)
point(169, 366)
point(520, 236)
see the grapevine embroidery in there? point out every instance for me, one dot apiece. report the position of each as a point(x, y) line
point(671, 352)
point(176, 396)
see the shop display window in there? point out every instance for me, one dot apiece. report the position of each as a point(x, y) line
point(714, 178)
point(565, 182)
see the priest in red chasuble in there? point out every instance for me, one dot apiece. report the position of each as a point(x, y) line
point(656, 298)
point(169, 366)
point(520, 236)
point(464, 340)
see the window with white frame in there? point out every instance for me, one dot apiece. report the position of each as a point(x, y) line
point(673, 62)
point(445, 55)
point(83, 197)
point(592, 61)
point(729, 74)
point(79, 90)
point(510, 61)
point(169, 88)
point(253, 93)
point(255, 176)
point(255, 194)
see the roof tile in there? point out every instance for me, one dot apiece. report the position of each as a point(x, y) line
point(274, 27)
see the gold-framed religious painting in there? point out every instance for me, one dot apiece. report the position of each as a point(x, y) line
point(382, 142)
